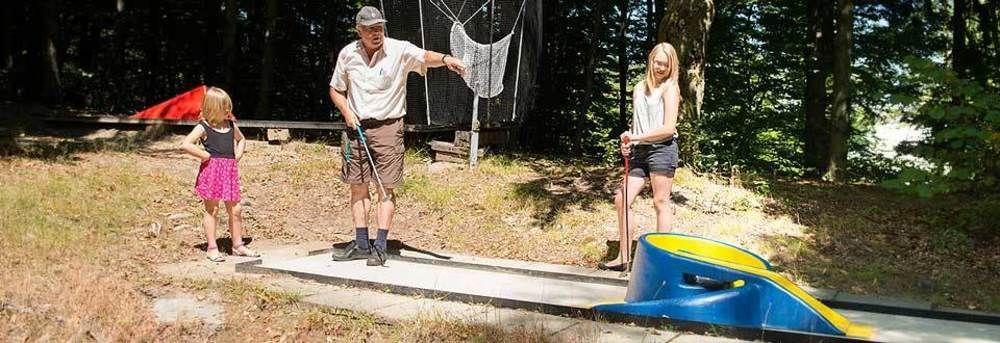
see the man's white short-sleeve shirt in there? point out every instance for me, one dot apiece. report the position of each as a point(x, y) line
point(376, 88)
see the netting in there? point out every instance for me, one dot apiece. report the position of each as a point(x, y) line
point(506, 81)
point(482, 61)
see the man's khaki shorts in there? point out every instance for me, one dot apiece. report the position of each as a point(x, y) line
point(385, 142)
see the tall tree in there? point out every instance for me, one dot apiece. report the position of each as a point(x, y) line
point(229, 48)
point(623, 61)
point(840, 117)
point(7, 50)
point(651, 18)
point(267, 60)
point(46, 58)
point(685, 25)
point(960, 59)
point(6, 37)
point(817, 63)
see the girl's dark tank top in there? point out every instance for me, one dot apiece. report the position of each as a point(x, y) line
point(219, 144)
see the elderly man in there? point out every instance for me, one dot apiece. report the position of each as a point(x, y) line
point(369, 89)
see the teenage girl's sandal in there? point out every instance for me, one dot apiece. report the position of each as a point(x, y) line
point(215, 256)
point(612, 267)
point(244, 251)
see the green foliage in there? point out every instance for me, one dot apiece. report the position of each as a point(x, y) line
point(577, 111)
point(963, 142)
point(754, 88)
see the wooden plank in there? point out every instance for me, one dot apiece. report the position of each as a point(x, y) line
point(462, 138)
point(448, 147)
point(277, 136)
point(265, 124)
point(249, 123)
point(462, 156)
point(491, 137)
point(439, 157)
point(445, 147)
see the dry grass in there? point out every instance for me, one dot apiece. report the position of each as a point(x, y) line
point(78, 236)
point(81, 231)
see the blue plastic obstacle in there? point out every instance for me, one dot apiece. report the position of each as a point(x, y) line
point(696, 279)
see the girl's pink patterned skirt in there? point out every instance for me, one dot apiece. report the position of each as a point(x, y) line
point(218, 179)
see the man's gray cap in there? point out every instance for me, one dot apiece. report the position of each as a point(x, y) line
point(369, 16)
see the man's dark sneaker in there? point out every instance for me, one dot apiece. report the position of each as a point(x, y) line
point(351, 252)
point(377, 257)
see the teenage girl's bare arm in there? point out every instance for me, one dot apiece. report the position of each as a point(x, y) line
point(241, 142)
point(188, 145)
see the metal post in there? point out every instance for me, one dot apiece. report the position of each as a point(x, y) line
point(474, 134)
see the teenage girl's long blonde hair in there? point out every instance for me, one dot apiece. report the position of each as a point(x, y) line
point(216, 107)
point(672, 66)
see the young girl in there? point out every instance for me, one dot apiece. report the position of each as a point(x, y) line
point(650, 146)
point(218, 177)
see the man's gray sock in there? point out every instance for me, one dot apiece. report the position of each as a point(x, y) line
point(361, 237)
point(380, 240)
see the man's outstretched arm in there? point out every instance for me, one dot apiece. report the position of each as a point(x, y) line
point(434, 59)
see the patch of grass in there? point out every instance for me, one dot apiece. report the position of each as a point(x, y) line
point(436, 328)
point(533, 192)
point(55, 208)
point(312, 150)
point(950, 240)
point(415, 156)
point(786, 248)
point(871, 274)
point(502, 165)
point(425, 190)
point(728, 228)
point(337, 323)
point(303, 172)
point(684, 177)
point(993, 304)
point(592, 250)
point(64, 149)
point(262, 297)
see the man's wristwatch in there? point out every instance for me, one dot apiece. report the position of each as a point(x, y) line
point(444, 56)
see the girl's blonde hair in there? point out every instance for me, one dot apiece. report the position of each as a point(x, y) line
point(672, 65)
point(216, 107)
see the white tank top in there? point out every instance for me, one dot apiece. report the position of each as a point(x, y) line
point(647, 110)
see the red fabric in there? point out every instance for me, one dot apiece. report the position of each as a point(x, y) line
point(184, 106)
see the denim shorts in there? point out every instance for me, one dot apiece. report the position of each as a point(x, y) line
point(660, 158)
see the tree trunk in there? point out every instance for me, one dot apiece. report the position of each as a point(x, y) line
point(229, 50)
point(623, 94)
point(267, 61)
point(650, 23)
point(817, 61)
point(983, 53)
point(47, 65)
point(959, 32)
point(589, 71)
point(840, 118)
point(987, 11)
point(155, 36)
point(685, 25)
point(7, 37)
point(90, 44)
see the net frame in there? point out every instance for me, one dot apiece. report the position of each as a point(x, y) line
point(442, 98)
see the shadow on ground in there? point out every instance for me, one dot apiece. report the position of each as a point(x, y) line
point(866, 239)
